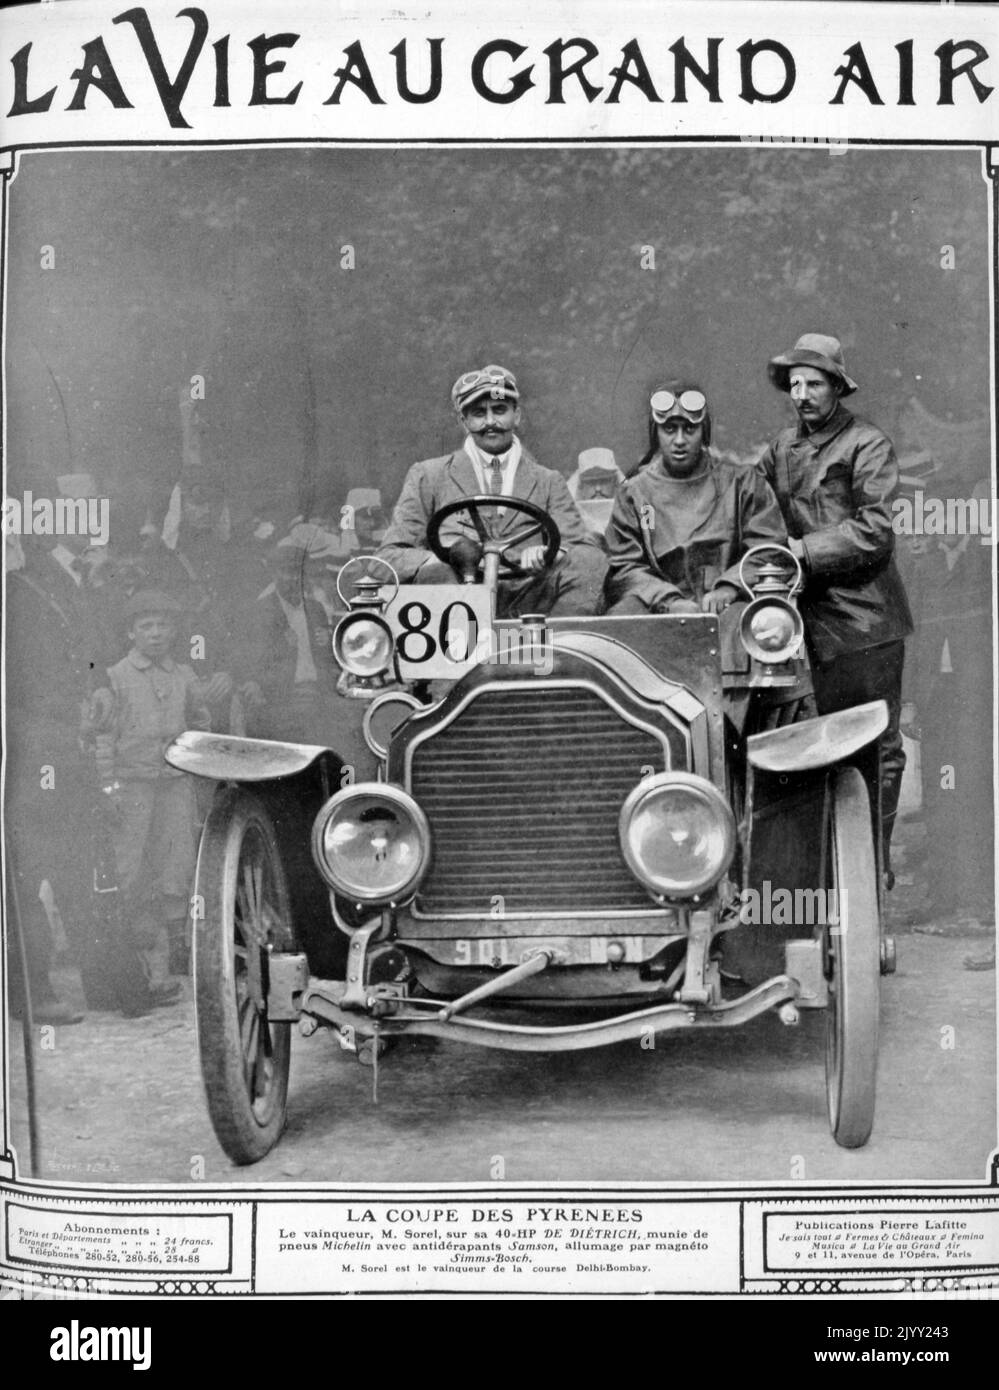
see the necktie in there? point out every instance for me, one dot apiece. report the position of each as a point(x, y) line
point(495, 477)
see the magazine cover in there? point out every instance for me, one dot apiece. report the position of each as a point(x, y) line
point(499, 608)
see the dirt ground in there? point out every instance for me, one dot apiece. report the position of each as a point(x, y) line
point(121, 1101)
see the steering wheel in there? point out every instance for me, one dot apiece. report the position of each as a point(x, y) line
point(491, 540)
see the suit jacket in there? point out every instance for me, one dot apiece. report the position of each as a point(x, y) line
point(435, 482)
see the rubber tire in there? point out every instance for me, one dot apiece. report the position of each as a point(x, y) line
point(247, 1128)
point(853, 954)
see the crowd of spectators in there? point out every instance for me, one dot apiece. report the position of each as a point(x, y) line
point(100, 831)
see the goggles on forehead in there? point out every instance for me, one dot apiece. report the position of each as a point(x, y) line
point(500, 382)
point(664, 404)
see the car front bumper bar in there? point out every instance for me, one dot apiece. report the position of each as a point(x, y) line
point(322, 1000)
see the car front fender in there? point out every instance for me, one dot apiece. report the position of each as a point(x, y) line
point(786, 810)
point(818, 743)
point(226, 758)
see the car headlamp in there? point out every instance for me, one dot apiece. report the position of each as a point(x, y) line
point(677, 834)
point(363, 643)
point(371, 843)
point(771, 630)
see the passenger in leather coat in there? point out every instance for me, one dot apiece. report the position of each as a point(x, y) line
point(835, 477)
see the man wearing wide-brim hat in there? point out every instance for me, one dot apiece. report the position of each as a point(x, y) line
point(835, 476)
point(493, 462)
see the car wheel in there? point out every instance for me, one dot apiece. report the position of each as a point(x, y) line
point(853, 967)
point(243, 913)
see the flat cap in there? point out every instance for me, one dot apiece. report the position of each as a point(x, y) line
point(492, 381)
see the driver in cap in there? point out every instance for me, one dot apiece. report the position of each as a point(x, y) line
point(493, 463)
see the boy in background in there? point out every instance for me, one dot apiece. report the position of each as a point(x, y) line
point(150, 700)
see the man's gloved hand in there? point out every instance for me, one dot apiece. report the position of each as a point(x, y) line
point(719, 598)
point(532, 557)
point(434, 571)
point(464, 557)
point(675, 604)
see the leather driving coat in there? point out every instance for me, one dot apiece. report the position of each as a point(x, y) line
point(835, 488)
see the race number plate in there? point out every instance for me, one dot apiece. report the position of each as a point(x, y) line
point(441, 630)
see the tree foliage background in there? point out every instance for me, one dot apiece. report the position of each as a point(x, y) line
point(318, 378)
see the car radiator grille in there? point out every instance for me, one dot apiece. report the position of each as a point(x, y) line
point(523, 791)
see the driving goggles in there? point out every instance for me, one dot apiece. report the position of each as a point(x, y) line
point(497, 380)
point(663, 404)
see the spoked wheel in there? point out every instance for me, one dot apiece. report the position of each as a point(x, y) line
point(243, 894)
point(853, 962)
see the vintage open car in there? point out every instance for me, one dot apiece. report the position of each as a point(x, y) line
point(538, 834)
